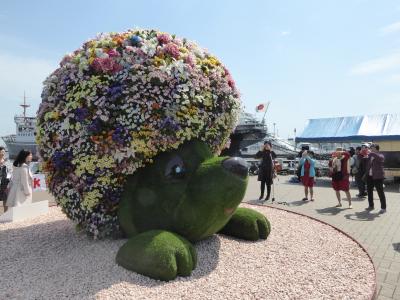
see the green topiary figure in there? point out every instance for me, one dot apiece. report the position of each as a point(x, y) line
point(128, 132)
point(186, 195)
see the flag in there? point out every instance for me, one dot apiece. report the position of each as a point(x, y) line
point(262, 107)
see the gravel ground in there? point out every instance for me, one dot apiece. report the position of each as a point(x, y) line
point(44, 258)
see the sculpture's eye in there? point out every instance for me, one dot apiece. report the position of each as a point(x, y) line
point(175, 168)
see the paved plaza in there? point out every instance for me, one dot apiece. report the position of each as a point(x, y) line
point(379, 234)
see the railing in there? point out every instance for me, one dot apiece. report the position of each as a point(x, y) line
point(9, 138)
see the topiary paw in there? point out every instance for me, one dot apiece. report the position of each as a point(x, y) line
point(158, 254)
point(247, 224)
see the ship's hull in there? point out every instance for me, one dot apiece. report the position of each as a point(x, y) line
point(15, 147)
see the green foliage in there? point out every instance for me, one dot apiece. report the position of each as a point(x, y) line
point(158, 254)
point(190, 193)
point(247, 224)
point(193, 204)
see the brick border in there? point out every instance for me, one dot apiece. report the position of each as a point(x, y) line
point(375, 285)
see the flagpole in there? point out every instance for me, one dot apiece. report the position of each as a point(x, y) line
point(265, 112)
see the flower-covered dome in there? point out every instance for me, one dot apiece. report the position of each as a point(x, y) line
point(117, 102)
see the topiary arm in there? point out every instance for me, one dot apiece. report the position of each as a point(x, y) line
point(158, 254)
point(247, 224)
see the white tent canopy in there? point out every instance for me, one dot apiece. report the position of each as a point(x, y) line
point(346, 129)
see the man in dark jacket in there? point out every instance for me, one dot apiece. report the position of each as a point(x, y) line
point(375, 175)
point(266, 171)
point(358, 170)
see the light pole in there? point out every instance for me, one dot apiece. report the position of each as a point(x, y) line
point(274, 130)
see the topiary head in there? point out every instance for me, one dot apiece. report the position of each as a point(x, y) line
point(189, 191)
point(116, 103)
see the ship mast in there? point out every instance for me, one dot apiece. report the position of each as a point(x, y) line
point(24, 106)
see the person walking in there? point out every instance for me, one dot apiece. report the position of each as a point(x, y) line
point(21, 181)
point(266, 171)
point(307, 174)
point(4, 171)
point(375, 175)
point(339, 168)
point(360, 165)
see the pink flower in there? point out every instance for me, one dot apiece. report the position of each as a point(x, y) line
point(129, 49)
point(172, 50)
point(66, 59)
point(229, 78)
point(190, 60)
point(163, 38)
point(113, 53)
point(231, 82)
point(106, 65)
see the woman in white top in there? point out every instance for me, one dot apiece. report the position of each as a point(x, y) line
point(21, 181)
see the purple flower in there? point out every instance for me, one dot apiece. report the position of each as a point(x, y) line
point(62, 160)
point(121, 135)
point(81, 114)
point(114, 92)
point(170, 124)
point(113, 195)
point(90, 180)
point(95, 126)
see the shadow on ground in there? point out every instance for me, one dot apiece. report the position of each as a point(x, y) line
point(331, 211)
point(362, 216)
point(396, 246)
point(358, 199)
point(298, 203)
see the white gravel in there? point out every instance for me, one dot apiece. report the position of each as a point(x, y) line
point(44, 258)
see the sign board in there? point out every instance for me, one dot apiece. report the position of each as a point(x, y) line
point(39, 183)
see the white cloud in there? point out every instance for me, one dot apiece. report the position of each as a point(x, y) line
point(286, 32)
point(380, 64)
point(392, 28)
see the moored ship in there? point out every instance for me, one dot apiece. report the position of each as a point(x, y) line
point(25, 135)
point(249, 136)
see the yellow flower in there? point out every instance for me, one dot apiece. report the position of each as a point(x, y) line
point(158, 61)
point(91, 199)
point(51, 115)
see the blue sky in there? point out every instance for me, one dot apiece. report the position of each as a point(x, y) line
point(311, 59)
